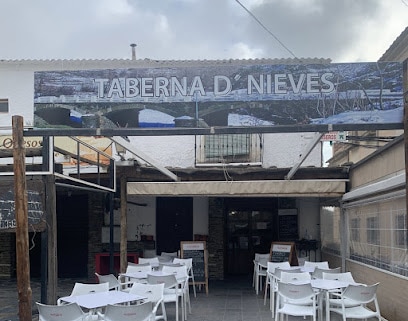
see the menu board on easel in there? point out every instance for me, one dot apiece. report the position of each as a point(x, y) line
point(198, 252)
point(284, 251)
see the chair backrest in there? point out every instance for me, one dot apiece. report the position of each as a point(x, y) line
point(322, 265)
point(153, 292)
point(171, 254)
point(110, 279)
point(169, 281)
point(179, 271)
point(261, 256)
point(66, 312)
point(318, 272)
point(361, 294)
point(345, 276)
point(150, 260)
point(187, 262)
point(138, 268)
point(280, 265)
point(278, 272)
point(288, 277)
point(295, 291)
point(86, 288)
point(133, 312)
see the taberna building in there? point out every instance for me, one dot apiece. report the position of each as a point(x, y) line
point(145, 154)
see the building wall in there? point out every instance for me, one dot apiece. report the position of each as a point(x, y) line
point(381, 165)
point(387, 162)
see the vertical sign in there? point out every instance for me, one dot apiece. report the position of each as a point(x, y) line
point(198, 252)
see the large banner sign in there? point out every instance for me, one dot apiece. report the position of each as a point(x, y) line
point(221, 95)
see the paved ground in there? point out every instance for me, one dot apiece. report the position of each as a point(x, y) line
point(229, 300)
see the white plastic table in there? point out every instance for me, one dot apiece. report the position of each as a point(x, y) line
point(97, 300)
point(326, 286)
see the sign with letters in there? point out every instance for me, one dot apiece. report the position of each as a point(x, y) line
point(283, 251)
point(215, 94)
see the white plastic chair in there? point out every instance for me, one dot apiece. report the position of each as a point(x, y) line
point(271, 282)
point(171, 254)
point(296, 300)
point(154, 294)
point(344, 276)
point(114, 283)
point(318, 272)
point(150, 260)
point(189, 263)
point(322, 265)
point(86, 288)
point(290, 277)
point(351, 303)
point(182, 277)
point(260, 265)
point(257, 258)
point(172, 291)
point(132, 312)
point(66, 312)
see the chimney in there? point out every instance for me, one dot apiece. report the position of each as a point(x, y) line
point(133, 45)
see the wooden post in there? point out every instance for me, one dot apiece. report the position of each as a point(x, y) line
point(123, 224)
point(405, 88)
point(21, 212)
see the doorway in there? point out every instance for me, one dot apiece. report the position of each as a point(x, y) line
point(174, 222)
point(72, 235)
point(251, 227)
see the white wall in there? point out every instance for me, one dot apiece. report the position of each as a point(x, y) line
point(286, 149)
point(137, 215)
point(18, 88)
point(175, 151)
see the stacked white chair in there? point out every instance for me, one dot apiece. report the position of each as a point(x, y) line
point(296, 300)
point(260, 267)
point(271, 282)
point(182, 277)
point(155, 294)
point(189, 264)
point(318, 272)
point(113, 281)
point(321, 265)
point(172, 291)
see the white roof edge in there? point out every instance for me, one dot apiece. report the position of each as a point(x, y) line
point(384, 185)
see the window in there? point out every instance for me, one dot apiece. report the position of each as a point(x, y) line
point(4, 106)
point(232, 148)
point(372, 230)
point(355, 229)
point(400, 230)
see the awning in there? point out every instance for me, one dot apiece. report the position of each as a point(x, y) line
point(271, 188)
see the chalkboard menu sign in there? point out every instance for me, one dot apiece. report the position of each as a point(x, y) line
point(288, 225)
point(198, 252)
point(284, 251)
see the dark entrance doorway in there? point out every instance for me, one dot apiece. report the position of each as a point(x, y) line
point(72, 237)
point(174, 222)
point(251, 227)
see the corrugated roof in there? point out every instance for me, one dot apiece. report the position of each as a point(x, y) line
point(93, 63)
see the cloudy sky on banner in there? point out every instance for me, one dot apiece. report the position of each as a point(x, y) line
point(344, 31)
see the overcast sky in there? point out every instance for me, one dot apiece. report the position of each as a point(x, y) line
point(342, 30)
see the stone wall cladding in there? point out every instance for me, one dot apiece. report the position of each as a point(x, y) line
point(215, 244)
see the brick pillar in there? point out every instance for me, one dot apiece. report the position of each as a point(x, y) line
point(215, 243)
